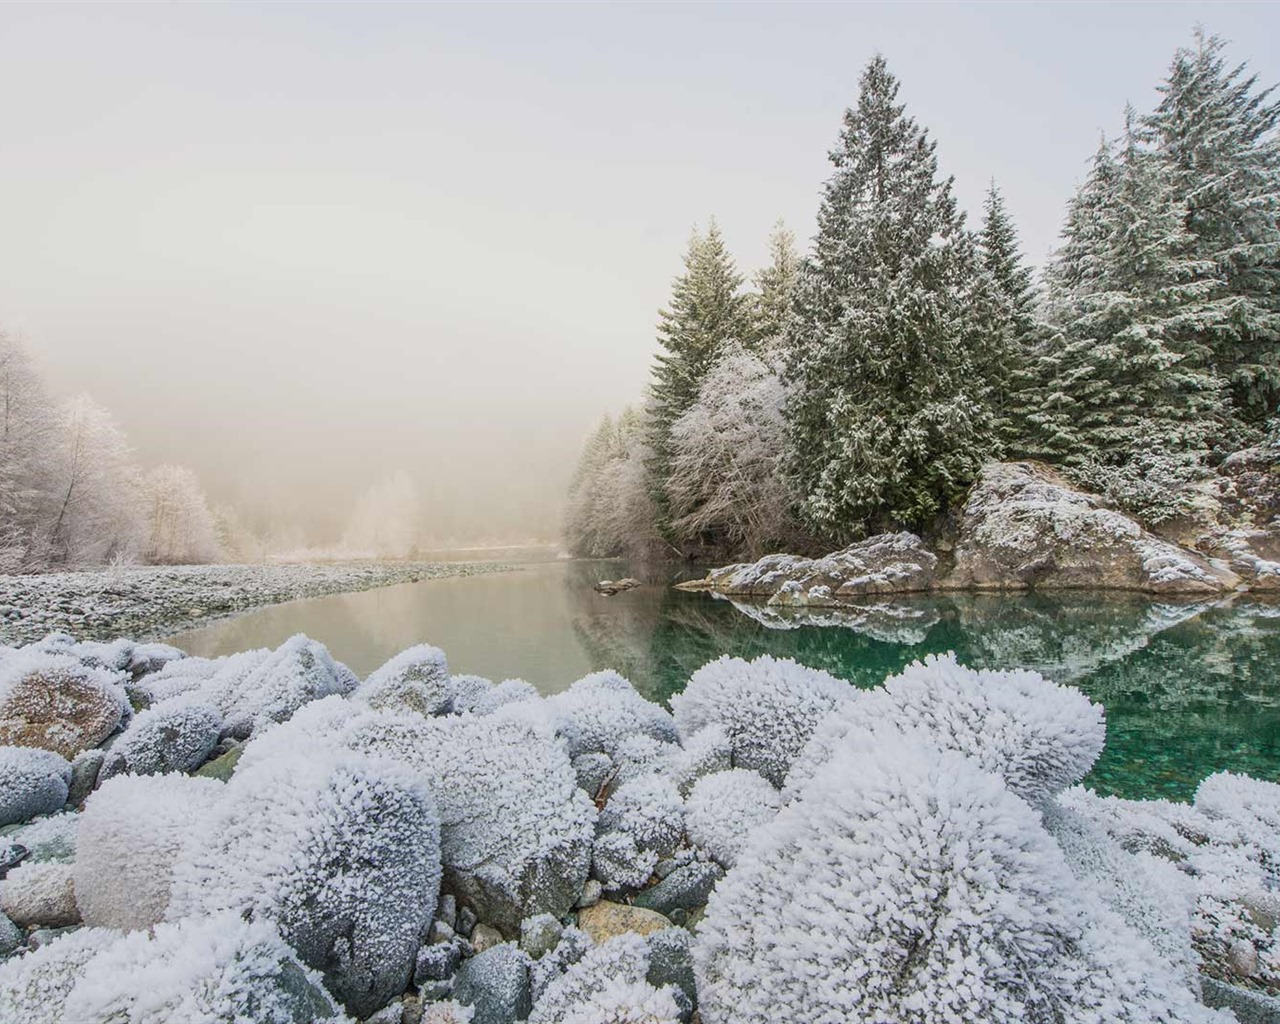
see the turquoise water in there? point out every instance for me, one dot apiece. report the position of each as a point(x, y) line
point(1189, 687)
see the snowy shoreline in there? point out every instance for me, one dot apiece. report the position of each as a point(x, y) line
point(151, 602)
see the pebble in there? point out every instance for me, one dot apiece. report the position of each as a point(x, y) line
point(11, 936)
point(539, 935)
point(591, 894)
point(466, 921)
point(484, 937)
point(607, 920)
point(685, 888)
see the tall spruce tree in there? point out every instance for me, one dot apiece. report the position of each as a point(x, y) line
point(775, 287)
point(707, 310)
point(1216, 133)
point(888, 417)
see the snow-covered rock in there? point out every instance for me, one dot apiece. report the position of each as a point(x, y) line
point(607, 986)
point(49, 839)
point(414, 680)
point(130, 834)
point(642, 823)
point(724, 809)
point(32, 781)
point(768, 708)
point(707, 751)
point(908, 884)
point(343, 853)
point(1038, 736)
point(1023, 525)
point(34, 987)
point(890, 563)
point(598, 712)
point(40, 893)
point(56, 702)
point(177, 736)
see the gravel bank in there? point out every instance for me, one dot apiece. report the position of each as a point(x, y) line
point(148, 602)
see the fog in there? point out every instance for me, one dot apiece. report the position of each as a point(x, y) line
point(304, 249)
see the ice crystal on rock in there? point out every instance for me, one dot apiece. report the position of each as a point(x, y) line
point(34, 987)
point(466, 691)
point(342, 852)
point(447, 1012)
point(32, 781)
point(768, 708)
point(607, 985)
point(642, 823)
point(707, 751)
point(500, 695)
point(55, 702)
point(214, 970)
point(598, 712)
point(1038, 736)
point(131, 831)
point(39, 893)
point(908, 884)
point(414, 680)
point(175, 737)
point(724, 809)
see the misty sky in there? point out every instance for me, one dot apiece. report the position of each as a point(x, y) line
point(300, 246)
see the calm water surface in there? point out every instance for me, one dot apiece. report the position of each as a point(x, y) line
point(1189, 688)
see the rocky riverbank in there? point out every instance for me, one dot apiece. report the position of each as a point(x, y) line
point(148, 602)
point(267, 837)
point(1022, 527)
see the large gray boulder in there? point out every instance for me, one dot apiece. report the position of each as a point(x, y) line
point(1024, 526)
point(32, 782)
point(174, 737)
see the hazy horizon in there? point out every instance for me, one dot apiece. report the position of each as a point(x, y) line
point(301, 248)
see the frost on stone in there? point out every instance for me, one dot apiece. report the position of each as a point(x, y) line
point(55, 702)
point(598, 712)
point(642, 823)
point(465, 691)
point(49, 839)
point(39, 893)
point(768, 707)
point(502, 695)
point(447, 1012)
point(574, 944)
point(909, 885)
point(642, 755)
point(706, 751)
point(131, 831)
point(1038, 736)
point(724, 809)
point(414, 680)
point(32, 782)
point(607, 984)
point(213, 970)
point(34, 987)
point(1250, 806)
point(341, 852)
point(177, 736)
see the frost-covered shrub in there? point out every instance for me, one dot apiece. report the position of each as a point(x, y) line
point(768, 707)
point(607, 986)
point(723, 809)
point(908, 884)
point(55, 702)
point(34, 987)
point(214, 970)
point(598, 712)
point(341, 852)
point(175, 737)
point(414, 680)
point(32, 782)
point(707, 751)
point(1038, 736)
point(642, 823)
point(131, 831)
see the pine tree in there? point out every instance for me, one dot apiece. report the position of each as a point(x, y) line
point(888, 417)
point(776, 286)
point(1216, 133)
point(708, 309)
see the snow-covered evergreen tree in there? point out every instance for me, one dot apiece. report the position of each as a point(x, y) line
point(1215, 133)
point(775, 287)
point(888, 413)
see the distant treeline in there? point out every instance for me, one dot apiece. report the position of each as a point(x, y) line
point(862, 386)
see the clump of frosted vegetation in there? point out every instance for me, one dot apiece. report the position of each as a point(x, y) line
point(768, 708)
point(598, 712)
point(34, 987)
point(215, 970)
point(908, 884)
point(1038, 736)
point(724, 809)
point(342, 853)
point(175, 737)
point(414, 680)
point(131, 831)
point(607, 986)
point(642, 823)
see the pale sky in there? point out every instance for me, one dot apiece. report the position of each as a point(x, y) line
point(300, 246)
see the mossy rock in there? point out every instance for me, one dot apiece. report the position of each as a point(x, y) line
point(220, 768)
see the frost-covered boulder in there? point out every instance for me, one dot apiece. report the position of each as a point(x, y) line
point(32, 781)
point(1024, 525)
point(177, 736)
point(724, 809)
point(55, 702)
point(608, 985)
point(516, 831)
point(34, 987)
point(1249, 805)
point(495, 984)
point(908, 884)
point(642, 823)
point(707, 751)
point(768, 708)
point(341, 852)
point(130, 833)
point(188, 676)
point(466, 691)
point(414, 680)
point(41, 894)
point(598, 712)
point(502, 695)
point(890, 563)
point(1038, 736)
point(49, 839)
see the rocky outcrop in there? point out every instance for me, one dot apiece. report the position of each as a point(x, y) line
point(892, 563)
point(1254, 555)
point(1024, 526)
